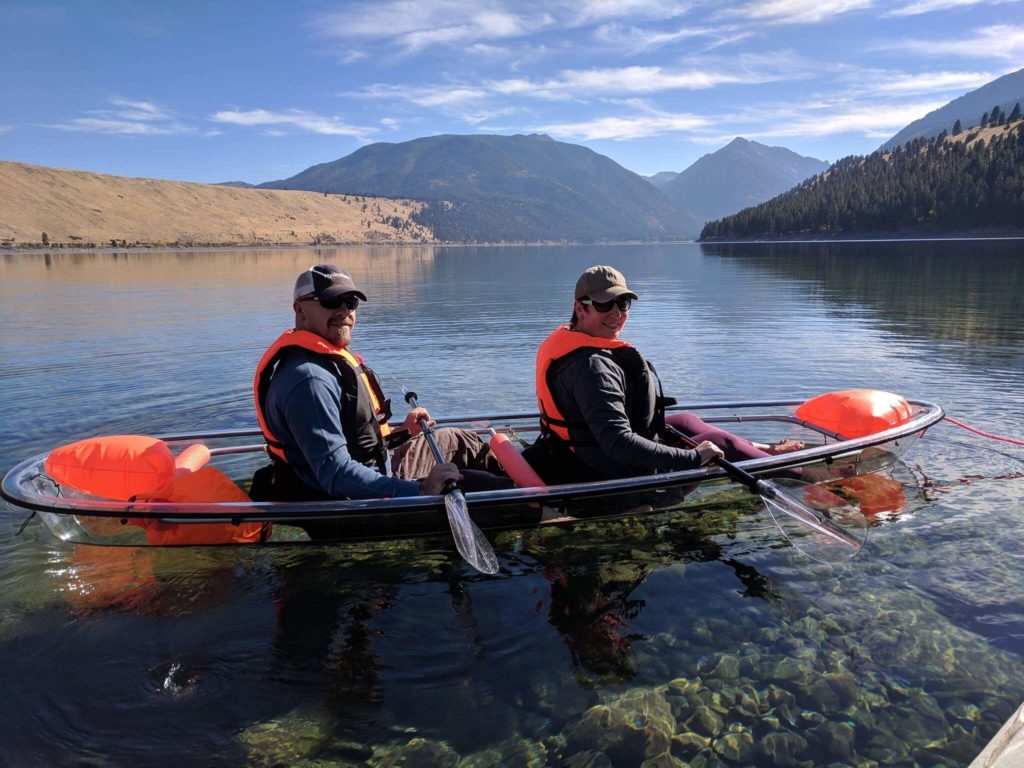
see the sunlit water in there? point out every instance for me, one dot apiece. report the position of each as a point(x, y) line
point(710, 641)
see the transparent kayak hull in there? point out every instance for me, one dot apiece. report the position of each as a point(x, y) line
point(76, 517)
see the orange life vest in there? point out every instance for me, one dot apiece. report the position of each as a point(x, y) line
point(645, 411)
point(366, 440)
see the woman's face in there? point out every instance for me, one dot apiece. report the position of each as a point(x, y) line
point(604, 325)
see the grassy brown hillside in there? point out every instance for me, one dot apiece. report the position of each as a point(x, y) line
point(79, 209)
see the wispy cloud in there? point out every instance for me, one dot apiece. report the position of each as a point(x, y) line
point(647, 122)
point(928, 6)
point(425, 95)
point(128, 118)
point(795, 11)
point(1002, 41)
point(588, 11)
point(636, 40)
point(293, 118)
point(930, 82)
point(414, 25)
point(832, 118)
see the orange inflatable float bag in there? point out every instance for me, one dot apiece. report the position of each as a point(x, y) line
point(205, 484)
point(855, 412)
point(116, 467)
point(512, 461)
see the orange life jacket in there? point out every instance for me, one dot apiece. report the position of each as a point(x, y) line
point(645, 409)
point(365, 425)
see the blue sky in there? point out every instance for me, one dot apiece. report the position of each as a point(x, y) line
point(254, 91)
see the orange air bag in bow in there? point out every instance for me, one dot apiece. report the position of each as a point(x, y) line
point(855, 412)
point(873, 493)
point(206, 484)
point(115, 467)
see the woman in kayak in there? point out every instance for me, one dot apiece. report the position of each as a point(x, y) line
point(601, 403)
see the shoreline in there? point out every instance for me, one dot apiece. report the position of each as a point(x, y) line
point(880, 237)
point(36, 249)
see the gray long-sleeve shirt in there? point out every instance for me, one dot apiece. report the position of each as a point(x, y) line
point(303, 411)
point(590, 387)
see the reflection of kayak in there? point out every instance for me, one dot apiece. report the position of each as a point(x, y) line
point(156, 519)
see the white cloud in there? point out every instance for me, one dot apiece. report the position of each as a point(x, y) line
point(595, 10)
point(352, 56)
point(796, 11)
point(1002, 41)
point(122, 127)
point(6, 128)
point(829, 119)
point(144, 111)
point(927, 6)
point(128, 118)
point(637, 40)
point(424, 96)
point(748, 70)
point(414, 25)
point(295, 118)
point(932, 82)
point(654, 123)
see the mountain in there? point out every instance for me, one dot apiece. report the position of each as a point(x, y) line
point(740, 174)
point(968, 109)
point(661, 179)
point(967, 183)
point(57, 208)
point(239, 184)
point(485, 188)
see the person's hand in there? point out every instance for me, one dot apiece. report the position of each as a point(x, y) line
point(708, 451)
point(438, 479)
point(412, 420)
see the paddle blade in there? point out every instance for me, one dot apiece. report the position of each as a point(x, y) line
point(815, 521)
point(469, 539)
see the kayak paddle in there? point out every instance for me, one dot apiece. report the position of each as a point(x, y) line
point(469, 539)
point(778, 499)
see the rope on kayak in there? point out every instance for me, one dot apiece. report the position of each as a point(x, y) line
point(969, 428)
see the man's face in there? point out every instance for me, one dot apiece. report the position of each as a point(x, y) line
point(604, 325)
point(334, 325)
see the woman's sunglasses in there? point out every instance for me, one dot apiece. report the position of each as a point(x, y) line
point(336, 302)
point(622, 303)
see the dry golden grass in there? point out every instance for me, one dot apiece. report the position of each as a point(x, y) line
point(81, 209)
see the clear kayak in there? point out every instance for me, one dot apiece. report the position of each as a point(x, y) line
point(76, 516)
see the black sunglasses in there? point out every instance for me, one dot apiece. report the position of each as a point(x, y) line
point(336, 302)
point(623, 303)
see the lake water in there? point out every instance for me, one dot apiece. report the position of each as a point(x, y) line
point(705, 642)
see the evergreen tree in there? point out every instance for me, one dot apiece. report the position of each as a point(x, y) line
point(926, 186)
point(1015, 114)
point(957, 128)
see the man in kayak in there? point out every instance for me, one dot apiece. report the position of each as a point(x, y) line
point(325, 417)
point(602, 407)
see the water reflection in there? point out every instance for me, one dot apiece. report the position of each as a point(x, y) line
point(964, 291)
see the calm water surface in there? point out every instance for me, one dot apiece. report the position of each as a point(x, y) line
point(706, 642)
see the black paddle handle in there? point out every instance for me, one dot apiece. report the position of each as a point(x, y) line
point(428, 432)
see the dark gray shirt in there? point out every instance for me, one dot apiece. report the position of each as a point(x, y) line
point(590, 387)
point(303, 411)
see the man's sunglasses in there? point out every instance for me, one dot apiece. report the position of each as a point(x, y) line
point(622, 303)
point(336, 302)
